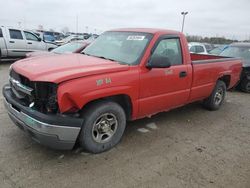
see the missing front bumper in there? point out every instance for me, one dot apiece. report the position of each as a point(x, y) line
point(57, 132)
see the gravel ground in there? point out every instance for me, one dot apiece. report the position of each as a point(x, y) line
point(186, 147)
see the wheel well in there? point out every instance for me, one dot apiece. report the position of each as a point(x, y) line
point(123, 100)
point(226, 79)
point(50, 49)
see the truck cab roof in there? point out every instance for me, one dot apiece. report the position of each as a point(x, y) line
point(148, 30)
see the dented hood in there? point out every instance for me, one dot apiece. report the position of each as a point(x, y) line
point(61, 68)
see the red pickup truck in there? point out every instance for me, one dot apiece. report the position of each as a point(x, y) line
point(124, 75)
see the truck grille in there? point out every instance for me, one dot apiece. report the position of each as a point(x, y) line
point(41, 95)
point(21, 87)
point(25, 81)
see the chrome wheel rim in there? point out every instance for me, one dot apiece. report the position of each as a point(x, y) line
point(104, 128)
point(218, 96)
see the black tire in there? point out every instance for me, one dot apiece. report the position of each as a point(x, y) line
point(215, 100)
point(88, 137)
point(245, 85)
point(50, 49)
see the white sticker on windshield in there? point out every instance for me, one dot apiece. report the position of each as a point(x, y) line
point(136, 37)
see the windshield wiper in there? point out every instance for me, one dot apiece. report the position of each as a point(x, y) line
point(102, 57)
point(85, 54)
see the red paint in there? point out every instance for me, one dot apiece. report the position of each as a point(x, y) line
point(195, 57)
point(150, 91)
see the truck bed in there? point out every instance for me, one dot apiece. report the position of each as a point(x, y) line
point(199, 58)
point(207, 69)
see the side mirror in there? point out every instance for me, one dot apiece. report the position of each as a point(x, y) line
point(158, 61)
point(39, 39)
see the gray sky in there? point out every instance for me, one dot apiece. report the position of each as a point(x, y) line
point(227, 18)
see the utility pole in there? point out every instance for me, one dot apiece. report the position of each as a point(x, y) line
point(183, 21)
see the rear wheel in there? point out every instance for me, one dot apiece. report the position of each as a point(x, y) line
point(245, 85)
point(215, 100)
point(104, 125)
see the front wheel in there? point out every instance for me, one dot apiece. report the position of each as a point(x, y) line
point(104, 125)
point(215, 100)
point(245, 85)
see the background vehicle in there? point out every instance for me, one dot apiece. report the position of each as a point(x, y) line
point(217, 50)
point(197, 48)
point(209, 47)
point(49, 36)
point(70, 39)
point(16, 43)
point(241, 50)
point(95, 36)
point(45, 37)
point(71, 47)
point(90, 96)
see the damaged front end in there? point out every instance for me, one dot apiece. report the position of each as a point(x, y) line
point(33, 107)
point(40, 96)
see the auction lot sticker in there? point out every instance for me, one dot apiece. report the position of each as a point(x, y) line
point(136, 37)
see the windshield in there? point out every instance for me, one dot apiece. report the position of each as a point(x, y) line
point(236, 51)
point(67, 48)
point(123, 47)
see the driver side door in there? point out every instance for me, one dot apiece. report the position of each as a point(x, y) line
point(165, 88)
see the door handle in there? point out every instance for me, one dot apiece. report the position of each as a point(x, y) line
point(29, 42)
point(183, 74)
point(12, 41)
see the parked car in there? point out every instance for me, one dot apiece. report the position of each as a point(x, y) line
point(209, 47)
point(197, 48)
point(70, 39)
point(17, 42)
point(49, 36)
point(72, 47)
point(125, 74)
point(241, 50)
point(45, 37)
point(217, 50)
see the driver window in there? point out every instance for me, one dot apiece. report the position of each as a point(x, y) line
point(171, 49)
point(30, 36)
